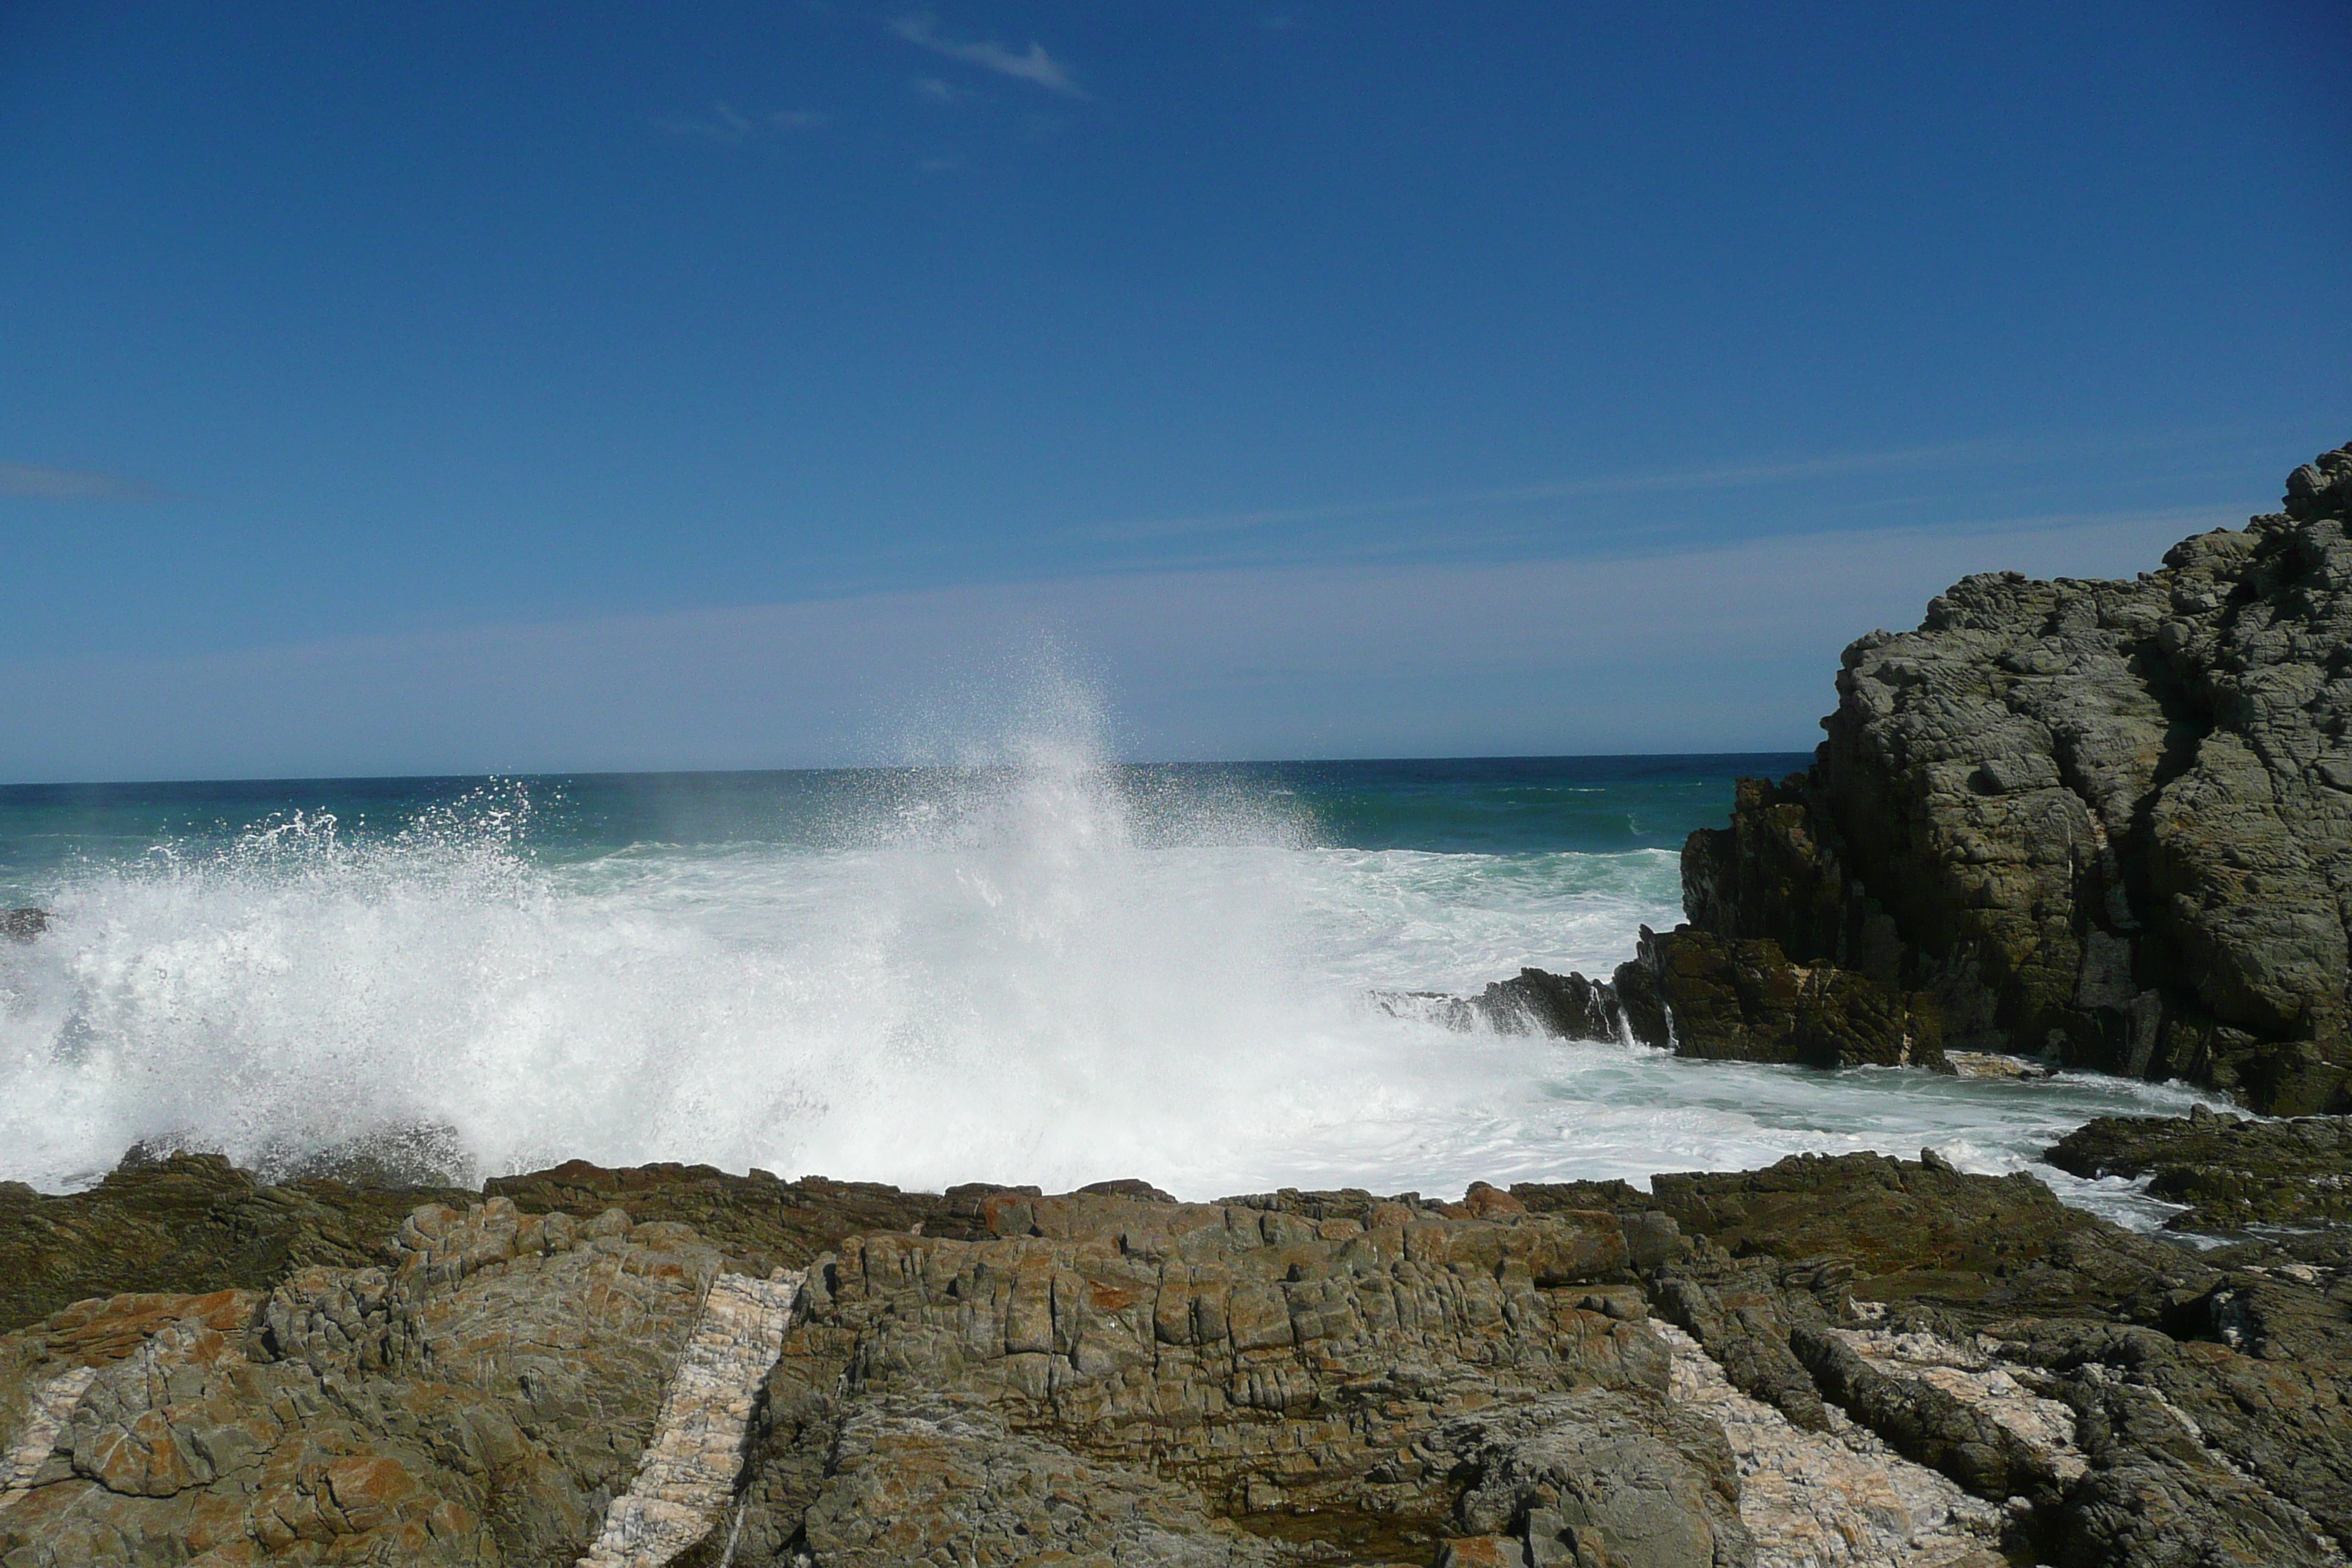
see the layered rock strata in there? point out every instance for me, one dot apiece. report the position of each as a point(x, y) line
point(1250, 1382)
point(1837, 1497)
point(1834, 1361)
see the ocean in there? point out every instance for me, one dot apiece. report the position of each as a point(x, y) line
point(1033, 967)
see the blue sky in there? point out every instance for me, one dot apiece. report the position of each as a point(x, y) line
point(418, 388)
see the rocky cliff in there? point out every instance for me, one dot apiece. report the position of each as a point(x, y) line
point(2111, 821)
point(2107, 822)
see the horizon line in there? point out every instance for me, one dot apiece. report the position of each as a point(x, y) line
point(520, 776)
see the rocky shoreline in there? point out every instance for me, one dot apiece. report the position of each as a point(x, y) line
point(2097, 825)
point(1848, 1360)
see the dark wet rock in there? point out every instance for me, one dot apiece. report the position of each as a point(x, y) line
point(1897, 1222)
point(1741, 999)
point(1982, 1247)
point(2231, 1172)
point(759, 1222)
point(190, 1222)
point(1568, 1005)
point(1533, 1002)
point(184, 1225)
point(2107, 820)
point(23, 925)
point(418, 1155)
point(1127, 1187)
point(1723, 999)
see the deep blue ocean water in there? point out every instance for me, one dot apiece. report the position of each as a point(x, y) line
point(1497, 805)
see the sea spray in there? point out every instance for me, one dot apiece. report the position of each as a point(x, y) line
point(1022, 965)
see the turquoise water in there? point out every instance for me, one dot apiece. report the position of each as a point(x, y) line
point(1495, 805)
point(1041, 968)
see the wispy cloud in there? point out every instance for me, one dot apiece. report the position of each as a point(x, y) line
point(725, 122)
point(70, 484)
point(1732, 647)
point(1036, 67)
point(935, 90)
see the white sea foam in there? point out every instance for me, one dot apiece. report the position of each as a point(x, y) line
point(1012, 973)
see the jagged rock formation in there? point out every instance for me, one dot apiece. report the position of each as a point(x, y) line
point(2207, 1393)
point(2108, 820)
point(1836, 1498)
point(1854, 1360)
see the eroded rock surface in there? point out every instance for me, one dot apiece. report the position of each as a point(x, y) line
point(480, 1400)
point(185, 1225)
point(1835, 1360)
point(2108, 820)
point(191, 1222)
point(1314, 1379)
